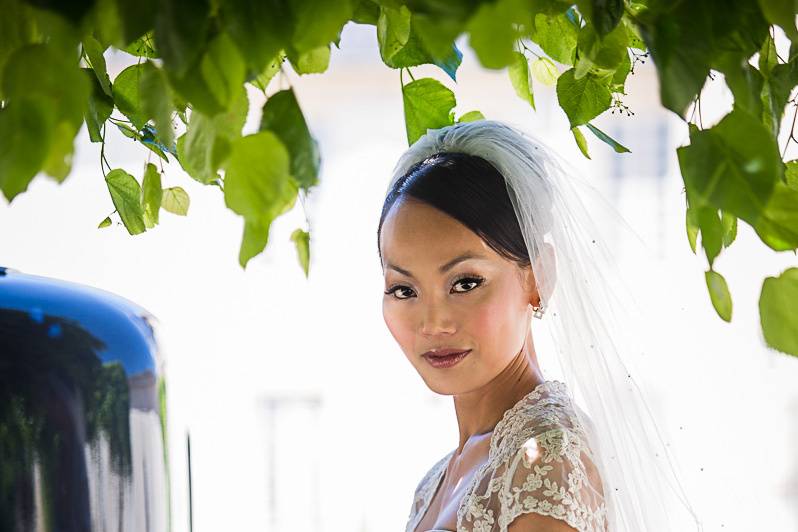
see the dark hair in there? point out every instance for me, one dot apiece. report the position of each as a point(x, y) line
point(469, 189)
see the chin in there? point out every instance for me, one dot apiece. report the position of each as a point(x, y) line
point(444, 388)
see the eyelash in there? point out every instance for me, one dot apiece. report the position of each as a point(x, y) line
point(470, 277)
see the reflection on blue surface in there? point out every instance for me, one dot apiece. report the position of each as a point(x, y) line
point(82, 411)
point(123, 327)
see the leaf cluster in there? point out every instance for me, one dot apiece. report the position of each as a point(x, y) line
point(184, 96)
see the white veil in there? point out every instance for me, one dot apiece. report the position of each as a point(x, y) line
point(586, 312)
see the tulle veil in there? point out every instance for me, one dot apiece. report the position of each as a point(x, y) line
point(589, 315)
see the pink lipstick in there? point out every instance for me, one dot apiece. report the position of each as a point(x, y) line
point(445, 358)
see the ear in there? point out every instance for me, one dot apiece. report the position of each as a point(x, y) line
point(530, 286)
point(545, 265)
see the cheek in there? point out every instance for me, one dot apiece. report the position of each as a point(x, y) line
point(399, 323)
point(493, 324)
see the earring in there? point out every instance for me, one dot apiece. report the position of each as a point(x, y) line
point(539, 310)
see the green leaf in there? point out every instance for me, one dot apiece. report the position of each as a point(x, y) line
point(366, 12)
point(556, 36)
point(729, 223)
point(427, 104)
point(211, 83)
point(393, 33)
point(43, 71)
point(318, 22)
point(493, 31)
point(736, 166)
point(601, 54)
point(778, 227)
point(192, 87)
point(59, 160)
point(301, 240)
point(272, 68)
point(121, 24)
point(633, 34)
point(156, 101)
point(105, 223)
point(768, 57)
point(259, 29)
point(314, 61)
point(545, 71)
point(204, 147)
point(127, 94)
point(777, 314)
point(55, 93)
point(258, 185)
point(719, 294)
point(791, 174)
point(253, 241)
point(149, 137)
point(471, 116)
point(175, 200)
point(400, 45)
point(154, 148)
point(711, 232)
point(617, 146)
point(94, 51)
point(579, 137)
point(621, 73)
point(144, 46)
point(603, 14)
point(128, 131)
point(223, 69)
point(26, 127)
point(126, 195)
point(687, 38)
point(152, 195)
point(781, 13)
point(519, 77)
point(745, 83)
point(582, 99)
point(100, 106)
point(776, 91)
point(283, 116)
point(691, 224)
point(437, 33)
point(181, 30)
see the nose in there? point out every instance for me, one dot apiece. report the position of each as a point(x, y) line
point(436, 319)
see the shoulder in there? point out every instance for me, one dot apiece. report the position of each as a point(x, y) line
point(553, 475)
point(426, 484)
point(424, 488)
point(432, 473)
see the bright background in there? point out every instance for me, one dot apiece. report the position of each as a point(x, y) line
point(304, 414)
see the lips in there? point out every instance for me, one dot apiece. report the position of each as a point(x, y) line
point(445, 352)
point(445, 358)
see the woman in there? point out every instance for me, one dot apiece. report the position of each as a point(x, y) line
point(479, 225)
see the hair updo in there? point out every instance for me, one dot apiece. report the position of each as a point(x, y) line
point(469, 189)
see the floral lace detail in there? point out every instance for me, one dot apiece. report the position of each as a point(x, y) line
point(425, 491)
point(539, 461)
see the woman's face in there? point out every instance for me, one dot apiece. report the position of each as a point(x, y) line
point(482, 303)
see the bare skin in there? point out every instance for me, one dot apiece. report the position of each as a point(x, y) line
point(483, 304)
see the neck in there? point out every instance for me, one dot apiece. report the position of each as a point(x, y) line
point(479, 411)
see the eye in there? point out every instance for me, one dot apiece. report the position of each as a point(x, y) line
point(469, 280)
point(397, 288)
point(475, 280)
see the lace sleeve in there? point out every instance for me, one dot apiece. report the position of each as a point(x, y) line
point(553, 474)
point(424, 492)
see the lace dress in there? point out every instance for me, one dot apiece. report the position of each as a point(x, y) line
point(539, 461)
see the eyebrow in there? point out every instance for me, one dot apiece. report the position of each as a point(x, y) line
point(444, 267)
